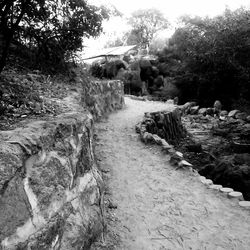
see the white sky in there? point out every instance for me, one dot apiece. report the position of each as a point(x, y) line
point(174, 8)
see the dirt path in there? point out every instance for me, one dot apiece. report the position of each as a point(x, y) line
point(159, 207)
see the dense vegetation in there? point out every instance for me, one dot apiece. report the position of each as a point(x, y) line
point(143, 26)
point(38, 41)
point(46, 32)
point(209, 58)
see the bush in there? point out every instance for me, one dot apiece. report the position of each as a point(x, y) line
point(210, 58)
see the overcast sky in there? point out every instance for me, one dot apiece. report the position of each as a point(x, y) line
point(174, 8)
point(171, 8)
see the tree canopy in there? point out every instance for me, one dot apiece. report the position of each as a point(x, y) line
point(145, 23)
point(50, 29)
point(215, 56)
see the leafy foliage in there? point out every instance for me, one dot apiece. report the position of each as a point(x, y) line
point(33, 95)
point(215, 57)
point(145, 23)
point(50, 29)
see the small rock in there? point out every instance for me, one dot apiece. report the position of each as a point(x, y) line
point(241, 116)
point(222, 118)
point(105, 170)
point(194, 110)
point(217, 106)
point(179, 154)
point(202, 111)
point(215, 187)
point(202, 178)
point(248, 118)
point(171, 150)
point(147, 137)
point(137, 128)
point(226, 190)
point(245, 204)
point(184, 163)
point(223, 113)
point(185, 108)
point(157, 139)
point(208, 182)
point(164, 143)
point(232, 113)
point(235, 195)
point(143, 129)
point(175, 159)
point(176, 100)
point(210, 111)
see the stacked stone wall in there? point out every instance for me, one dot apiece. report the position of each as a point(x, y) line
point(50, 186)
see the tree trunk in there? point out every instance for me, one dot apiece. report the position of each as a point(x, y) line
point(4, 51)
point(169, 122)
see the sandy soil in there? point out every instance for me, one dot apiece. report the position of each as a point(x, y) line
point(159, 207)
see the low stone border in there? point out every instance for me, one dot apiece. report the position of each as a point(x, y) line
point(138, 98)
point(177, 160)
point(144, 98)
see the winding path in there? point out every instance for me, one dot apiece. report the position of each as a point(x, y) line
point(160, 207)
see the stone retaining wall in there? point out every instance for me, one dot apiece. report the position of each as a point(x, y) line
point(103, 96)
point(50, 187)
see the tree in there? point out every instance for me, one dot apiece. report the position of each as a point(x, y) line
point(11, 14)
point(51, 29)
point(215, 54)
point(145, 23)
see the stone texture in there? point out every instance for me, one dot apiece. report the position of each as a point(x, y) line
point(223, 113)
point(194, 110)
point(232, 113)
point(102, 97)
point(58, 179)
point(202, 111)
point(50, 186)
point(241, 115)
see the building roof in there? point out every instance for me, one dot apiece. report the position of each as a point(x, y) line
point(113, 51)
